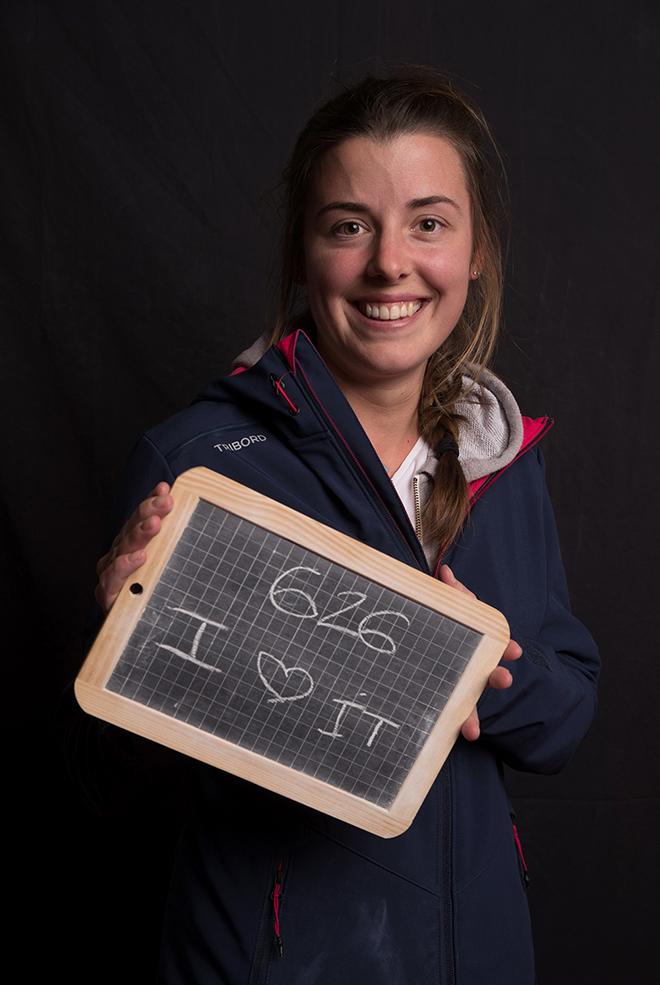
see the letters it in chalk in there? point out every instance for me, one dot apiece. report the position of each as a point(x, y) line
point(344, 705)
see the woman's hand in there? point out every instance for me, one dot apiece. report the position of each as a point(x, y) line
point(127, 552)
point(499, 678)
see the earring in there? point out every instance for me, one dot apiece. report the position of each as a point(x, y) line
point(475, 273)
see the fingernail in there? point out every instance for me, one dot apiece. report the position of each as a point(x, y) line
point(451, 573)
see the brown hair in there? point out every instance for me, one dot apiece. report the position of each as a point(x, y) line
point(415, 99)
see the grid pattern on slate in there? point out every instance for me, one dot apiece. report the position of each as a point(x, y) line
point(257, 640)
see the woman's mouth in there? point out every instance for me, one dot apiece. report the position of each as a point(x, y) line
point(399, 311)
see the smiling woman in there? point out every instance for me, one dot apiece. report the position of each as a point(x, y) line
point(376, 414)
point(392, 198)
point(395, 253)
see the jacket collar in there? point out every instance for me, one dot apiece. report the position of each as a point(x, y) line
point(290, 383)
point(492, 435)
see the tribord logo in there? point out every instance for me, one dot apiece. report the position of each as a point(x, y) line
point(240, 443)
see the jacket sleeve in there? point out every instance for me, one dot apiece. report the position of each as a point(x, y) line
point(537, 724)
point(114, 770)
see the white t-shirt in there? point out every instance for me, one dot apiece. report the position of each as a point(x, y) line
point(402, 481)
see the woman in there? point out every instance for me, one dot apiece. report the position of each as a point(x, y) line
point(377, 415)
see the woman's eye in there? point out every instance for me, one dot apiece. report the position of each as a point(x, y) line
point(435, 224)
point(350, 227)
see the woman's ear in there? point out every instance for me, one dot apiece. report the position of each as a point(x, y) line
point(475, 265)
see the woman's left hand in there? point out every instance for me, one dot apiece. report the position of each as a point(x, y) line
point(500, 678)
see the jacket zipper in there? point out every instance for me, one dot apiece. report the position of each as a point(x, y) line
point(447, 952)
point(522, 864)
point(277, 896)
point(418, 508)
point(353, 461)
point(269, 939)
point(446, 836)
point(447, 919)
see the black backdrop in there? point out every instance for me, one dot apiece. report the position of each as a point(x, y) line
point(139, 142)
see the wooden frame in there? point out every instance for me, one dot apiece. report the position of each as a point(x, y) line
point(203, 484)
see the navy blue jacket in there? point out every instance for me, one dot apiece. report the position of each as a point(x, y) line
point(445, 902)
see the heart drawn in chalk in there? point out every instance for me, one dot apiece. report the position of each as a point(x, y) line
point(286, 683)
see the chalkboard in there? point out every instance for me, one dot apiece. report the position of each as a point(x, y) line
point(265, 643)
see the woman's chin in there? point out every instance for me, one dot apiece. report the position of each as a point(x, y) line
point(372, 368)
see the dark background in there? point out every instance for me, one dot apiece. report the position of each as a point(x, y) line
point(140, 142)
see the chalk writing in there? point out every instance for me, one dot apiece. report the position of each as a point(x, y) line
point(266, 674)
point(192, 656)
point(344, 705)
point(289, 599)
point(279, 679)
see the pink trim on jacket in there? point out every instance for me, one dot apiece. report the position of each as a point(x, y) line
point(534, 429)
point(287, 347)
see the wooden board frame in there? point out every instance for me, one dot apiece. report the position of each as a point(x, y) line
point(203, 484)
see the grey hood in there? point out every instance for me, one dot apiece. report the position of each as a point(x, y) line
point(490, 437)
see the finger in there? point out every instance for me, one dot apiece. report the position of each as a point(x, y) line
point(470, 729)
point(113, 578)
point(140, 535)
point(158, 502)
point(448, 577)
point(136, 538)
point(513, 651)
point(156, 506)
point(500, 678)
point(131, 535)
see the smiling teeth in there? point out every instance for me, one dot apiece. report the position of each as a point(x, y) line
point(389, 312)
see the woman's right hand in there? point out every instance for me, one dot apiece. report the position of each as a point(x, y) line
point(127, 552)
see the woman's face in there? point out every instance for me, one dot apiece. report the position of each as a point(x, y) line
point(386, 225)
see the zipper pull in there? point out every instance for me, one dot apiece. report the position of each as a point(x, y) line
point(521, 857)
point(280, 390)
point(277, 895)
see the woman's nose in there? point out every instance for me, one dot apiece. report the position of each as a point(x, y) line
point(389, 256)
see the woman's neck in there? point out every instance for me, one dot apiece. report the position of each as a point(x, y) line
point(389, 416)
point(386, 407)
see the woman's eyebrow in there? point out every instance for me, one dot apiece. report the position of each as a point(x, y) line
point(415, 203)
